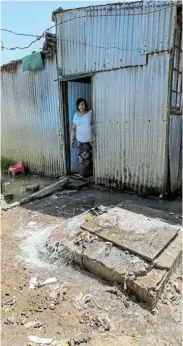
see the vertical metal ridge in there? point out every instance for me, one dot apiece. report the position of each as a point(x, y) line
point(87, 45)
point(130, 106)
point(30, 118)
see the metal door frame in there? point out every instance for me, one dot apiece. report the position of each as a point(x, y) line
point(64, 93)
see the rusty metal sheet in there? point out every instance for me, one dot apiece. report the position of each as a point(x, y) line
point(105, 37)
point(137, 233)
point(135, 157)
point(32, 126)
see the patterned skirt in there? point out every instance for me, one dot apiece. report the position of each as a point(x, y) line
point(85, 163)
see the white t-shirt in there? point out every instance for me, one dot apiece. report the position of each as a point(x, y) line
point(83, 127)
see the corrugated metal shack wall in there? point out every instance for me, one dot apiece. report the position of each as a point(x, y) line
point(127, 49)
point(130, 110)
point(101, 38)
point(175, 152)
point(31, 124)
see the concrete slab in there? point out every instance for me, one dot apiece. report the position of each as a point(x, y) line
point(140, 234)
point(135, 274)
point(168, 257)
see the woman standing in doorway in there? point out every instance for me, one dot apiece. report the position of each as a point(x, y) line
point(81, 130)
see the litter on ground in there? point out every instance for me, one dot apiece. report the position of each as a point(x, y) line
point(34, 284)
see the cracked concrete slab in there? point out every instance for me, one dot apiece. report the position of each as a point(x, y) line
point(134, 273)
point(172, 252)
point(140, 234)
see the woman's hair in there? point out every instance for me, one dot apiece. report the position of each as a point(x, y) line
point(81, 100)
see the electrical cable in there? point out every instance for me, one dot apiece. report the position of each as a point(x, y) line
point(39, 37)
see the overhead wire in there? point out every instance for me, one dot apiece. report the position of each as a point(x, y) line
point(39, 37)
point(19, 34)
point(101, 47)
point(14, 48)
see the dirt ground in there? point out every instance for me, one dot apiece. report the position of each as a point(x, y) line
point(24, 232)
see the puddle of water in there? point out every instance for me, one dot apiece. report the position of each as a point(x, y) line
point(17, 185)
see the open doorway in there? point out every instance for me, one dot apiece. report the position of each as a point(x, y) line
point(78, 88)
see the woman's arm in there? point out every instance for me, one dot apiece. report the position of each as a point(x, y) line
point(73, 134)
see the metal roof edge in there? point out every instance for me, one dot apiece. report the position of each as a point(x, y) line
point(126, 5)
point(14, 63)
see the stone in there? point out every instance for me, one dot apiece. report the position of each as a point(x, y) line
point(8, 196)
point(81, 321)
point(102, 321)
point(52, 306)
point(126, 304)
point(39, 309)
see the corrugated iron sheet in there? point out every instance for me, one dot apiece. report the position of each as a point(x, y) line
point(130, 112)
point(175, 152)
point(157, 31)
point(101, 38)
point(31, 124)
point(75, 91)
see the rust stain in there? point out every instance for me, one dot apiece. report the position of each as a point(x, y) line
point(11, 67)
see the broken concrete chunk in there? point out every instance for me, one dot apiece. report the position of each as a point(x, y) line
point(15, 320)
point(33, 324)
point(102, 320)
point(32, 187)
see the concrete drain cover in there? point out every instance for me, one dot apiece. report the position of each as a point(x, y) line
point(137, 233)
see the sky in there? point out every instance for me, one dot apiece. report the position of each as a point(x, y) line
point(31, 17)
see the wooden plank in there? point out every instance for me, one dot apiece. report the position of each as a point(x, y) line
point(48, 190)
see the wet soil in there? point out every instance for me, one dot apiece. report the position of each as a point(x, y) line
point(24, 232)
point(16, 185)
